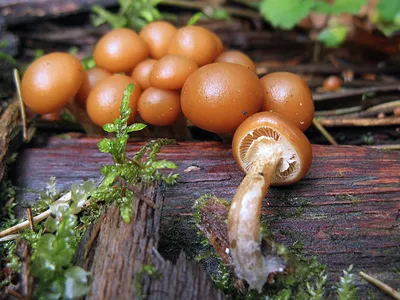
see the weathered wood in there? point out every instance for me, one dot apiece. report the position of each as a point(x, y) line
point(116, 254)
point(8, 123)
point(345, 211)
point(19, 11)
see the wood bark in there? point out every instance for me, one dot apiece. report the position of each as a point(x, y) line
point(20, 11)
point(117, 253)
point(345, 211)
point(8, 122)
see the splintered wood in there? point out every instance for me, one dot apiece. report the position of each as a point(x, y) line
point(345, 211)
point(117, 254)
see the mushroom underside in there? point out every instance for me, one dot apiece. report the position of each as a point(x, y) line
point(266, 141)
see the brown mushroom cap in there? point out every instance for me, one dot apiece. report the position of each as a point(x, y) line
point(289, 95)
point(157, 35)
point(51, 81)
point(159, 107)
point(105, 99)
point(220, 96)
point(92, 77)
point(283, 136)
point(195, 43)
point(120, 50)
point(141, 74)
point(236, 57)
point(171, 72)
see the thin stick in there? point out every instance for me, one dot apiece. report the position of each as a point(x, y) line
point(362, 122)
point(324, 132)
point(339, 111)
point(385, 147)
point(135, 190)
point(9, 238)
point(30, 219)
point(382, 286)
point(241, 12)
point(17, 82)
point(38, 218)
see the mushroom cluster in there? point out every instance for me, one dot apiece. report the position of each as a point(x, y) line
point(186, 70)
point(158, 60)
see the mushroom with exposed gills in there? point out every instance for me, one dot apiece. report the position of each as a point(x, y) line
point(271, 151)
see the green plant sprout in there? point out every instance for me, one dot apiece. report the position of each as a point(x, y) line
point(132, 14)
point(55, 241)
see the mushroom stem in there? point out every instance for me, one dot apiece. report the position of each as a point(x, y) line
point(244, 221)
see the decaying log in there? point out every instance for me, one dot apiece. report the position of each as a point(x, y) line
point(117, 254)
point(19, 11)
point(8, 121)
point(345, 211)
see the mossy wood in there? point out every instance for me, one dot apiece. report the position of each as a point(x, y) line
point(345, 211)
point(124, 261)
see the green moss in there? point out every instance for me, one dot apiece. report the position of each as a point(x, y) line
point(305, 278)
point(145, 270)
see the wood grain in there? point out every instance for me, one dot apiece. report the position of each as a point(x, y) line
point(345, 211)
point(20, 11)
point(116, 253)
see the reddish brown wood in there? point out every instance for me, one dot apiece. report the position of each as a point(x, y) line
point(17, 11)
point(115, 253)
point(345, 211)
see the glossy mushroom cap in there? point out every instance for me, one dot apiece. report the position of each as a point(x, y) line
point(195, 43)
point(236, 57)
point(157, 35)
point(105, 99)
point(51, 81)
point(281, 135)
point(120, 50)
point(171, 72)
point(289, 95)
point(159, 107)
point(141, 74)
point(220, 96)
point(92, 78)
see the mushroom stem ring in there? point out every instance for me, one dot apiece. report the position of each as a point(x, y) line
point(272, 151)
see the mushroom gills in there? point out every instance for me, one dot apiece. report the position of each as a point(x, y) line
point(264, 142)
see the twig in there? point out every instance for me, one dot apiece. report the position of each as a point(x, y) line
point(380, 285)
point(17, 82)
point(9, 238)
point(30, 219)
point(38, 218)
point(324, 132)
point(384, 107)
point(137, 192)
point(359, 122)
point(358, 92)
point(335, 112)
point(203, 5)
point(385, 147)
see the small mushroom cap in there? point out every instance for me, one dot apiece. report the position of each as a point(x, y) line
point(195, 43)
point(159, 107)
point(104, 101)
point(92, 77)
point(51, 81)
point(141, 74)
point(158, 35)
point(120, 50)
point(289, 95)
point(283, 136)
point(219, 96)
point(171, 72)
point(236, 57)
